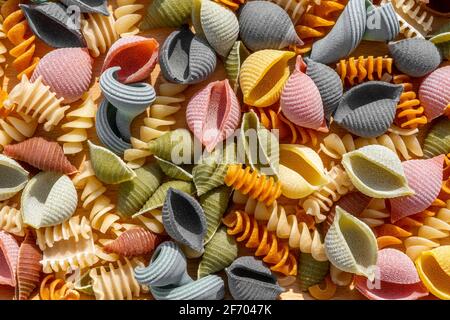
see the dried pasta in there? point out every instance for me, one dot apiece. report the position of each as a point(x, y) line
point(295, 8)
point(420, 17)
point(127, 17)
point(356, 70)
point(3, 49)
point(232, 4)
point(52, 288)
point(11, 219)
point(15, 126)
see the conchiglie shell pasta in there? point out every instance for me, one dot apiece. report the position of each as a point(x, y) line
point(434, 270)
point(13, 177)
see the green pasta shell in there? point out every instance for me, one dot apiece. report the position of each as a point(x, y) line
point(377, 172)
point(438, 139)
point(166, 13)
point(173, 171)
point(134, 193)
point(210, 173)
point(442, 40)
point(176, 146)
point(351, 246)
point(220, 252)
point(214, 204)
point(13, 177)
point(233, 62)
point(108, 167)
point(48, 199)
point(311, 271)
point(159, 196)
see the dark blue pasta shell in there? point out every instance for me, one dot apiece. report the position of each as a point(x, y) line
point(98, 6)
point(382, 23)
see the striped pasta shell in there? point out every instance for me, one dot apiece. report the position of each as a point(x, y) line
point(377, 172)
point(220, 252)
point(13, 177)
point(425, 179)
point(214, 204)
point(264, 25)
point(42, 154)
point(263, 75)
point(345, 36)
point(98, 6)
point(178, 139)
point(250, 279)
point(434, 93)
point(368, 110)
point(415, 57)
point(67, 71)
point(133, 242)
point(209, 174)
point(48, 199)
point(311, 271)
point(167, 13)
point(213, 113)
point(301, 101)
point(437, 140)
point(9, 251)
point(142, 51)
point(217, 24)
point(351, 246)
point(28, 267)
point(174, 171)
point(186, 58)
point(51, 23)
point(382, 23)
point(233, 62)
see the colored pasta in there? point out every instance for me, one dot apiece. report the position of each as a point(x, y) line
point(11, 219)
point(127, 17)
point(356, 70)
point(56, 289)
point(16, 127)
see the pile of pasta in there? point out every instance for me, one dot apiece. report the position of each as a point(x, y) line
point(251, 145)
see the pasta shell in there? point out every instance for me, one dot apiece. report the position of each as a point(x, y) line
point(214, 204)
point(220, 252)
point(97, 6)
point(398, 278)
point(217, 24)
point(133, 242)
point(42, 154)
point(351, 246)
point(184, 219)
point(377, 172)
point(233, 62)
point(250, 279)
point(209, 174)
point(301, 171)
point(177, 140)
point(311, 271)
point(368, 110)
point(329, 84)
point(434, 269)
point(438, 139)
point(186, 58)
point(130, 100)
point(416, 57)
point(48, 199)
point(9, 251)
point(142, 51)
point(345, 36)
point(159, 196)
point(28, 267)
point(434, 93)
point(52, 23)
point(382, 23)
point(213, 113)
point(442, 40)
point(166, 13)
point(263, 75)
point(13, 178)
point(173, 171)
point(264, 25)
point(134, 193)
point(108, 167)
point(67, 71)
point(301, 102)
point(425, 179)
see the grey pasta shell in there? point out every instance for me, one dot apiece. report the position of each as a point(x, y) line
point(52, 23)
point(130, 100)
point(250, 279)
point(97, 6)
point(382, 23)
point(48, 199)
point(416, 57)
point(345, 36)
point(438, 139)
point(329, 84)
point(265, 25)
point(186, 58)
point(368, 110)
point(233, 62)
point(184, 219)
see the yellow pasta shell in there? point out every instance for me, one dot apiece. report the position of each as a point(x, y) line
point(434, 269)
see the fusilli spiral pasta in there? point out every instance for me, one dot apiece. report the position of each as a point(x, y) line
point(418, 15)
point(127, 18)
point(11, 220)
point(15, 127)
point(3, 49)
point(364, 69)
point(52, 288)
point(375, 213)
point(232, 4)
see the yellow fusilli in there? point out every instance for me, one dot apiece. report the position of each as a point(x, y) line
point(11, 219)
point(52, 288)
point(363, 68)
point(127, 20)
point(15, 127)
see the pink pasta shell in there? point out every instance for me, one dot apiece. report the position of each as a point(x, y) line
point(301, 102)
point(398, 278)
point(133, 242)
point(28, 267)
point(135, 55)
point(425, 178)
point(434, 92)
point(9, 251)
point(67, 71)
point(213, 113)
